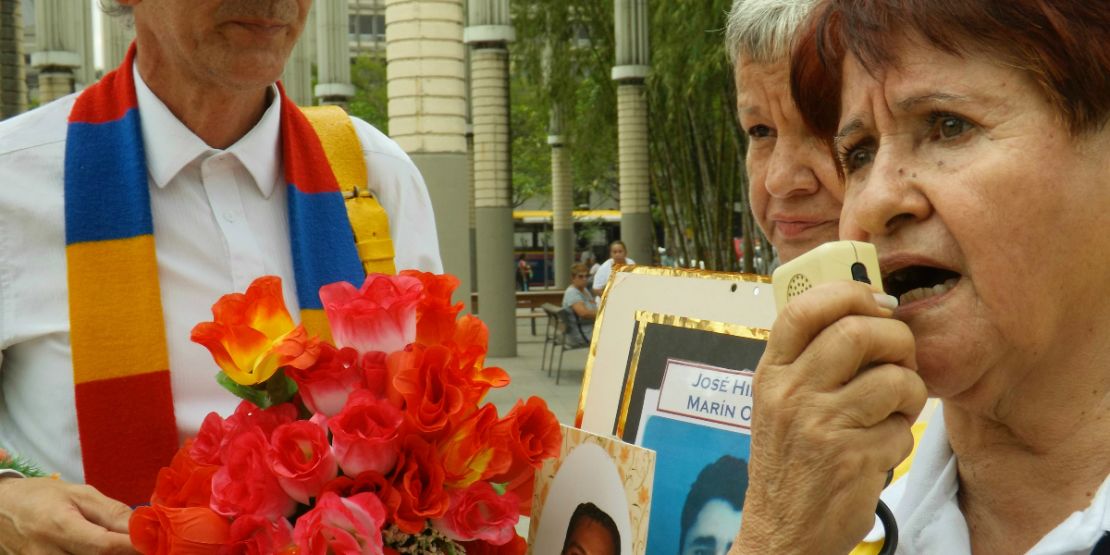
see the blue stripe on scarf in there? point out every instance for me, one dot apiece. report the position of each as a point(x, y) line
point(321, 220)
point(118, 206)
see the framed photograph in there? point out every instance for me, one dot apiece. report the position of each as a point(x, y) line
point(729, 299)
point(688, 382)
point(594, 498)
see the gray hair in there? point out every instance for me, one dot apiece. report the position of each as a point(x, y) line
point(114, 8)
point(764, 30)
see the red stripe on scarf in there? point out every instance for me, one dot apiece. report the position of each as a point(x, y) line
point(110, 104)
point(303, 164)
point(104, 449)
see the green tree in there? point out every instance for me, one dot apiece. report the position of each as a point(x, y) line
point(371, 100)
point(697, 147)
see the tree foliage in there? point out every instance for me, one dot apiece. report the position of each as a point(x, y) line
point(371, 100)
point(697, 147)
point(562, 57)
point(565, 50)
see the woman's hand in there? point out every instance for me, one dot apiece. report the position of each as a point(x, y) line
point(45, 516)
point(835, 394)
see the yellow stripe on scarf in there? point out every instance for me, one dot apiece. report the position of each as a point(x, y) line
point(115, 309)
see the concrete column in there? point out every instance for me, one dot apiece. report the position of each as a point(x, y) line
point(631, 18)
point(333, 53)
point(562, 202)
point(488, 33)
point(60, 44)
point(426, 80)
point(297, 76)
point(13, 77)
point(117, 33)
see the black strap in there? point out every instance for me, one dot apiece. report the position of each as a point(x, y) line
point(1103, 545)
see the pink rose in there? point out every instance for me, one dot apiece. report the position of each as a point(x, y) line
point(364, 434)
point(478, 513)
point(301, 458)
point(379, 316)
point(324, 386)
point(341, 525)
point(256, 535)
point(245, 485)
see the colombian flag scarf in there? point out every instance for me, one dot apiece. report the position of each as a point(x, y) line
point(121, 370)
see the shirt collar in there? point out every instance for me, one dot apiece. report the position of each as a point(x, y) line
point(170, 146)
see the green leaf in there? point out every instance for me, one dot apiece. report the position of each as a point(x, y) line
point(259, 397)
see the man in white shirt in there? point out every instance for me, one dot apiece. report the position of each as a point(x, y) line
point(204, 80)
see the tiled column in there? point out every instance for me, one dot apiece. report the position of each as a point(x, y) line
point(333, 53)
point(426, 76)
point(488, 34)
point(632, 66)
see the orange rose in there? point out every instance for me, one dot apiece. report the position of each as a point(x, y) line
point(434, 392)
point(531, 433)
point(186, 482)
point(418, 477)
point(469, 452)
point(182, 531)
point(253, 335)
point(435, 315)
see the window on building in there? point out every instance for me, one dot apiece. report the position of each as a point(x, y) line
point(367, 27)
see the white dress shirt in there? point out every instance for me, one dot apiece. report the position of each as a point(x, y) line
point(220, 221)
point(928, 510)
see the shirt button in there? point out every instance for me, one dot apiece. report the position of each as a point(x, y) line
point(229, 216)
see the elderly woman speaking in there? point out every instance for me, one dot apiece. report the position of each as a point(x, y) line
point(973, 142)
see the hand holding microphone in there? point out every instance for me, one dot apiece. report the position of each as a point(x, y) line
point(835, 394)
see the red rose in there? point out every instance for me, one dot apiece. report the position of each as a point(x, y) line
point(419, 479)
point(187, 531)
point(364, 434)
point(367, 482)
point(470, 452)
point(256, 535)
point(301, 458)
point(429, 381)
point(379, 316)
point(516, 546)
point(479, 513)
point(245, 485)
point(215, 432)
point(375, 373)
point(341, 525)
point(185, 482)
point(435, 314)
point(531, 433)
point(469, 345)
point(324, 386)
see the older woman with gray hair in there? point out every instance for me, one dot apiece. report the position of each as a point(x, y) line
point(795, 193)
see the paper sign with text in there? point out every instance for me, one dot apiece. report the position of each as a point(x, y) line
point(707, 393)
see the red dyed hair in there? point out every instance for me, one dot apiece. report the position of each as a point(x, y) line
point(1063, 44)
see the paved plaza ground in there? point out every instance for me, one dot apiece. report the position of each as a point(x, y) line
point(528, 380)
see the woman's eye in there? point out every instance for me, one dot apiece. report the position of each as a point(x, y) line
point(854, 157)
point(759, 131)
point(947, 126)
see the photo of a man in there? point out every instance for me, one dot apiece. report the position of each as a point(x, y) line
point(591, 531)
point(712, 512)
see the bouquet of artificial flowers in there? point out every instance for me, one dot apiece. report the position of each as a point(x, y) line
point(375, 441)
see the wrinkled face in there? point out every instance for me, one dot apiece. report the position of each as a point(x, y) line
point(713, 531)
point(230, 43)
point(589, 538)
point(795, 192)
point(989, 218)
point(617, 253)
